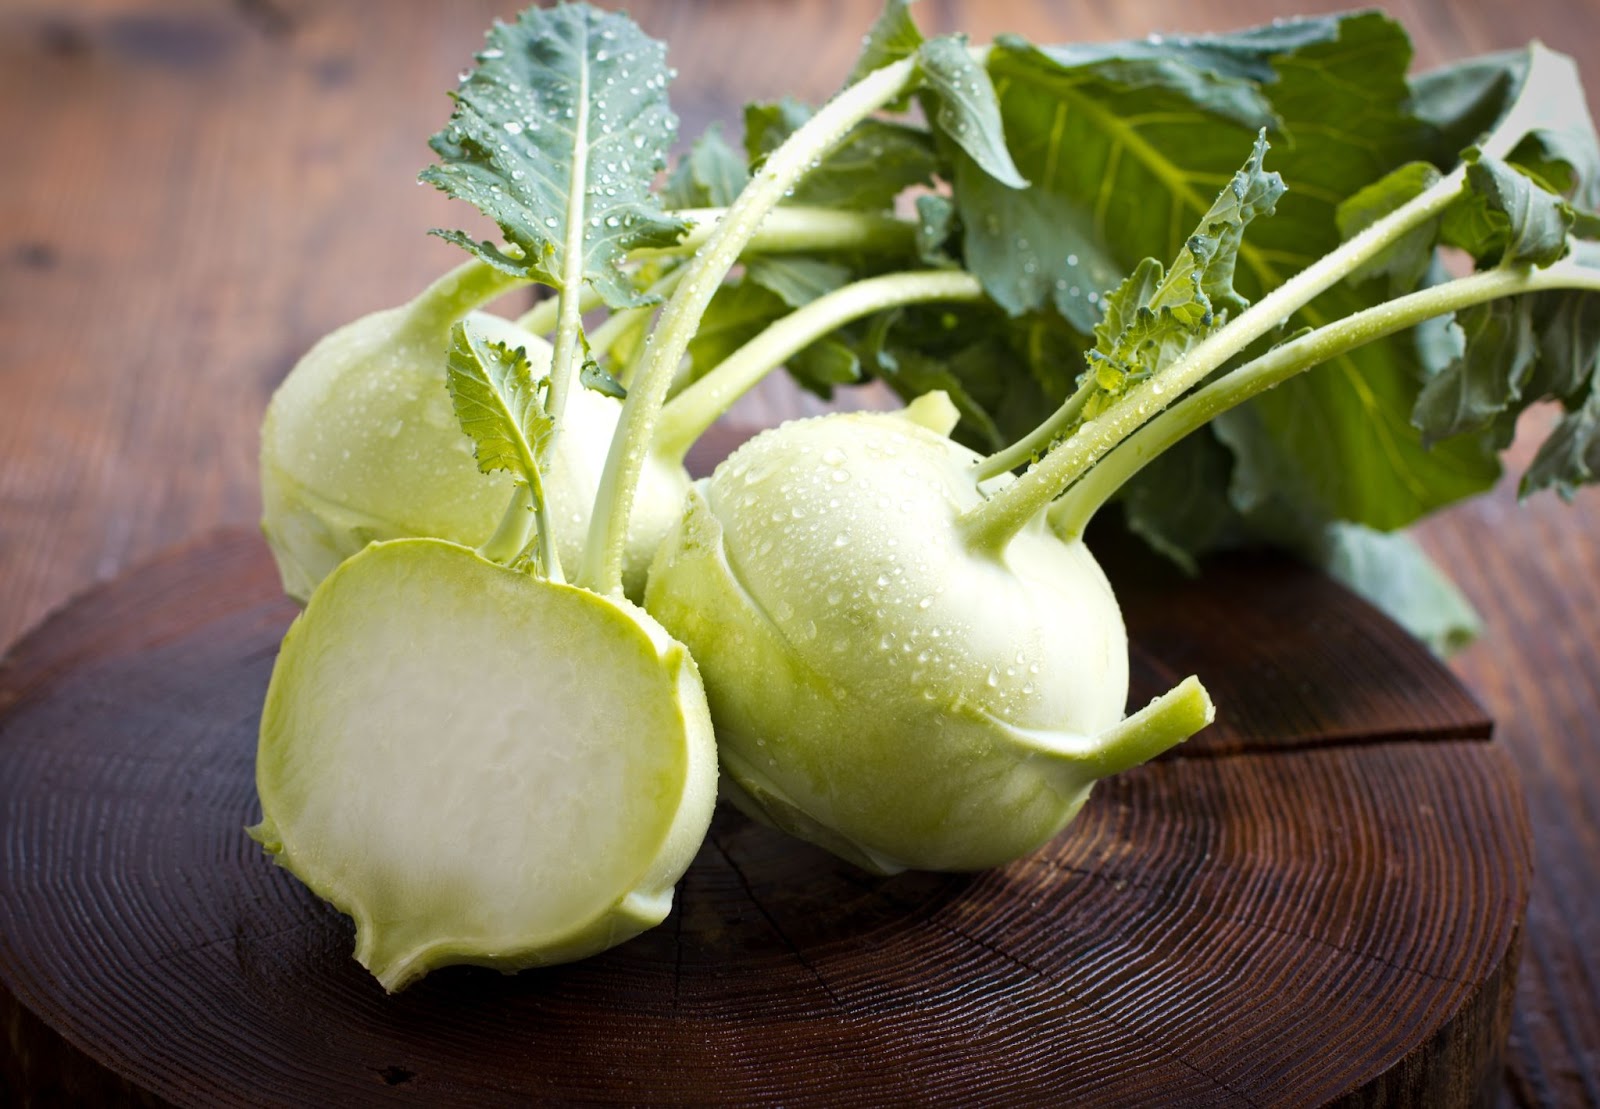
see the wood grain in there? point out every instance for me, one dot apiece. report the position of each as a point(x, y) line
point(1202, 923)
point(200, 189)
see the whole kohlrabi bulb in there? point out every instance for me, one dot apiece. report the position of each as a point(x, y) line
point(878, 685)
point(360, 444)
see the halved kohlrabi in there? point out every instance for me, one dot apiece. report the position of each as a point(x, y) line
point(480, 766)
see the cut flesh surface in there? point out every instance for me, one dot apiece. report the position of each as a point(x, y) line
point(479, 766)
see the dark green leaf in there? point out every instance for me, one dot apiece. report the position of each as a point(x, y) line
point(796, 278)
point(1499, 353)
point(711, 175)
point(737, 313)
point(1570, 457)
point(824, 364)
point(936, 224)
point(1179, 503)
point(1462, 102)
point(1505, 216)
point(565, 101)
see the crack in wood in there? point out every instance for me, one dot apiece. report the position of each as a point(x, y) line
point(777, 929)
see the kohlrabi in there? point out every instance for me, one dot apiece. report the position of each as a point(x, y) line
point(909, 655)
point(912, 659)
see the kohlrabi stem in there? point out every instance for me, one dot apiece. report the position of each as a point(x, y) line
point(457, 293)
point(667, 343)
point(991, 525)
point(618, 323)
point(1070, 515)
point(686, 417)
point(1164, 723)
point(569, 310)
point(797, 228)
point(1036, 442)
point(787, 230)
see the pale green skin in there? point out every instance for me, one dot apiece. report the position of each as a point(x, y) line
point(360, 443)
point(479, 766)
point(878, 688)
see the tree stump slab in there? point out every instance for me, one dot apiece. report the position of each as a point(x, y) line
point(1319, 900)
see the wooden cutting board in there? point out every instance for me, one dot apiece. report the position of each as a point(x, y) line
point(1319, 899)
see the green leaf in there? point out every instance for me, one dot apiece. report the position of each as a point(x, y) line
point(965, 108)
point(499, 403)
point(874, 163)
point(893, 36)
point(1126, 144)
point(1570, 457)
point(1498, 356)
point(796, 278)
point(824, 364)
point(1389, 571)
point(1506, 217)
point(1154, 317)
point(593, 377)
point(711, 175)
point(1407, 260)
point(557, 135)
point(936, 225)
point(1179, 504)
point(738, 312)
point(1461, 102)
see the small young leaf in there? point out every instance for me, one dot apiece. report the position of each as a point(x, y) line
point(499, 403)
point(1155, 317)
point(593, 377)
point(965, 107)
point(567, 103)
point(711, 175)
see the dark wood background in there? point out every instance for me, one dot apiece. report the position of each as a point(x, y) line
point(191, 193)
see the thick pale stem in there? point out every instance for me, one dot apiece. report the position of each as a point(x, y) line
point(603, 337)
point(511, 536)
point(602, 570)
point(569, 311)
point(458, 292)
point(688, 414)
point(787, 230)
point(1036, 442)
point(1161, 725)
point(1070, 515)
point(991, 525)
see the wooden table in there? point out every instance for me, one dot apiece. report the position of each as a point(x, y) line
point(193, 192)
